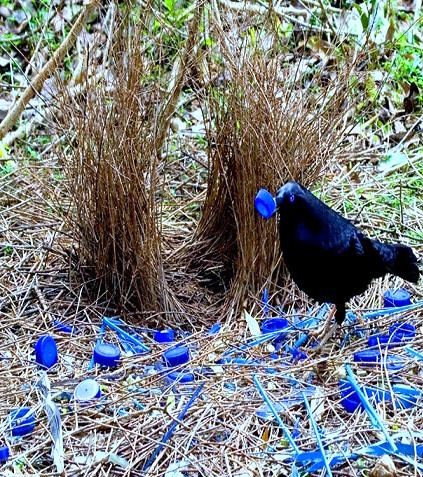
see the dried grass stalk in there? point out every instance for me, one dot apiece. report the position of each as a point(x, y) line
point(113, 177)
point(265, 128)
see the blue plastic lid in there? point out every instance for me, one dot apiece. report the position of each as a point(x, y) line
point(179, 377)
point(87, 390)
point(164, 336)
point(400, 297)
point(351, 404)
point(106, 354)
point(273, 324)
point(382, 341)
point(46, 351)
point(406, 396)
point(403, 331)
point(21, 421)
point(176, 356)
point(4, 454)
point(367, 356)
point(265, 203)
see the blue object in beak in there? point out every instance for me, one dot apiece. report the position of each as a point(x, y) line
point(265, 203)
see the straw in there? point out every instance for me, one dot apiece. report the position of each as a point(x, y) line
point(171, 429)
point(317, 434)
point(371, 412)
point(268, 401)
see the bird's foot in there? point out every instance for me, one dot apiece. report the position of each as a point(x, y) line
point(323, 333)
point(323, 330)
point(327, 333)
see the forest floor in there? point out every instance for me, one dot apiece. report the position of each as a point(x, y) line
point(217, 423)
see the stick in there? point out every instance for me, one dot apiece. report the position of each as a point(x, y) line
point(36, 85)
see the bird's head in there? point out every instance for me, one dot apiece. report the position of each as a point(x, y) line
point(290, 197)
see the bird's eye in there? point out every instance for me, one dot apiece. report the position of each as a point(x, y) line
point(291, 198)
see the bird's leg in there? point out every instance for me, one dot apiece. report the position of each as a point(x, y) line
point(329, 332)
point(323, 330)
point(329, 329)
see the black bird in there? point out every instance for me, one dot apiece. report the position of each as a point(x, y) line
point(328, 257)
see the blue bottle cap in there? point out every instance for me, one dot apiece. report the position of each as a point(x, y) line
point(21, 421)
point(367, 356)
point(381, 340)
point(176, 356)
point(179, 377)
point(351, 404)
point(164, 336)
point(87, 390)
point(399, 297)
point(405, 396)
point(273, 324)
point(402, 331)
point(4, 454)
point(46, 351)
point(106, 354)
point(265, 203)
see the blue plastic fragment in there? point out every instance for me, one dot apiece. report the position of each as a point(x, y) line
point(4, 454)
point(395, 298)
point(406, 397)
point(351, 404)
point(271, 325)
point(266, 414)
point(351, 401)
point(63, 327)
point(406, 452)
point(367, 356)
point(265, 300)
point(21, 421)
point(164, 336)
point(106, 354)
point(399, 333)
point(239, 361)
point(381, 340)
point(265, 203)
point(414, 353)
point(370, 315)
point(214, 329)
point(180, 377)
point(46, 354)
point(298, 354)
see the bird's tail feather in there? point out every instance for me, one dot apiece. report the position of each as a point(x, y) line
point(401, 261)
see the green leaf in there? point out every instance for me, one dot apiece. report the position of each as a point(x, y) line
point(170, 5)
